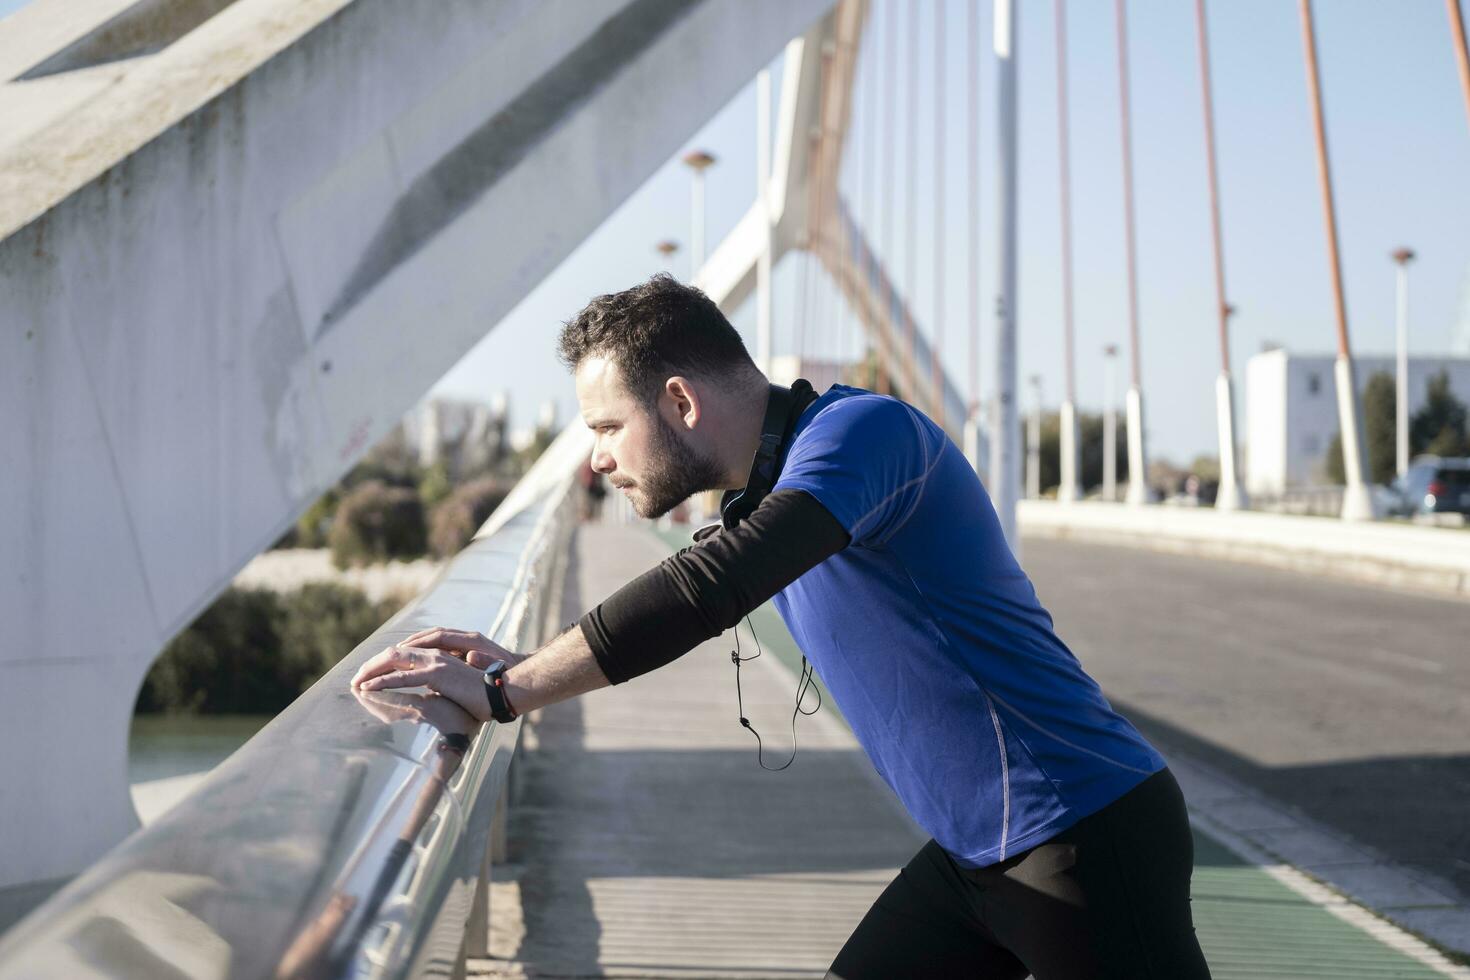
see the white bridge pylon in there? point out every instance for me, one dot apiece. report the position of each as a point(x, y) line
point(235, 249)
point(806, 211)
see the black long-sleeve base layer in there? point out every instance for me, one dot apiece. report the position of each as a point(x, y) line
point(705, 589)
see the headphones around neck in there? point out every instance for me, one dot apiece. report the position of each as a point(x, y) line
point(783, 407)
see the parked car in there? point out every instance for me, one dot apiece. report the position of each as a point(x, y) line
point(1434, 485)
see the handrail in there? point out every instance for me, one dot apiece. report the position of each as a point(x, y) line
point(350, 835)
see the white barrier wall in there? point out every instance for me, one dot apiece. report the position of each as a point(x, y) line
point(1430, 560)
point(230, 265)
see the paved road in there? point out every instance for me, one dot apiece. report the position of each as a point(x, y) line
point(1349, 703)
point(646, 842)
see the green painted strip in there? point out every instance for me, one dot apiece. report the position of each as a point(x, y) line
point(1251, 926)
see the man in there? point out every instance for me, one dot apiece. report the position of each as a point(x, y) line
point(1061, 844)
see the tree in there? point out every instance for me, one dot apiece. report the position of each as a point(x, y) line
point(454, 522)
point(254, 651)
point(1439, 426)
point(323, 623)
point(1090, 436)
point(1089, 449)
point(1206, 467)
point(376, 522)
point(1380, 434)
point(1333, 468)
point(312, 526)
point(435, 486)
point(1380, 430)
point(226, 662)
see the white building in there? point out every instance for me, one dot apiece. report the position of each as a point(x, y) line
point(471, 432)
point(1460, 342)
point(1291, 410)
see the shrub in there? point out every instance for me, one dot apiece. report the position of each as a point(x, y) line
point(1440, 425)
point(1089, 449)
point(455, 521)
point(313, 526)
point(1379, 433)
point(225, 662)
point(376, 522)
point(254, 651)
point(392, 461)
point(435, 486)
point(323, 622)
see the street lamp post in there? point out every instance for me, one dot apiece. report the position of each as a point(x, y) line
point(1005, 428)
point(1110, 423)
point(1068, 490)
point(698, 161)
point(1138, 492)
point(1402, 257)
point(972, 144)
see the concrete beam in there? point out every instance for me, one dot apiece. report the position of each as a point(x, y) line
point(819, 102)
point(728, 274)
point(232, 263)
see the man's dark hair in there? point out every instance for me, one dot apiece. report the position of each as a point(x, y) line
point(653, 331)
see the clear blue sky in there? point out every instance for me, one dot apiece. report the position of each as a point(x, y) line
point(1400, 143)
point(1398, 134)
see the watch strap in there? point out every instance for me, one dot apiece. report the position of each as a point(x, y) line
point(500, 707)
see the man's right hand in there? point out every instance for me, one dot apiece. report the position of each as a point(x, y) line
point(474, 648)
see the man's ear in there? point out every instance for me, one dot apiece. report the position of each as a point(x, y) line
point(684, 401)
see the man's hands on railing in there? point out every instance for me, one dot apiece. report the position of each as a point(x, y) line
point(448, 662)
point(474, 648)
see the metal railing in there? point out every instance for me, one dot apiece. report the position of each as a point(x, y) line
point(352, 835)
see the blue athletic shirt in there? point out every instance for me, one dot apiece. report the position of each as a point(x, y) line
point(932, 641)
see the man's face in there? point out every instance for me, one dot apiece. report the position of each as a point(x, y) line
point(641, 453)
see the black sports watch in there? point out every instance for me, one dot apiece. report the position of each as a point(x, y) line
point(500, 708)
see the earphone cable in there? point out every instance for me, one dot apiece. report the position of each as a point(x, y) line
point(807, 681)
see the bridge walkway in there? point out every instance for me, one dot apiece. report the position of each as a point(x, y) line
point(645, 841)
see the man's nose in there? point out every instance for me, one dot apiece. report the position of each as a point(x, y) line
point(603, 462)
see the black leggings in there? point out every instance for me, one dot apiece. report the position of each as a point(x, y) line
point(1107, 897)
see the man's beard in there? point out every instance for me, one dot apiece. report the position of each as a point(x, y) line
point(677, 472)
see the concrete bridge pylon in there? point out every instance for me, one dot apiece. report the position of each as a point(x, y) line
point(804, 210)
point(232, 255)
